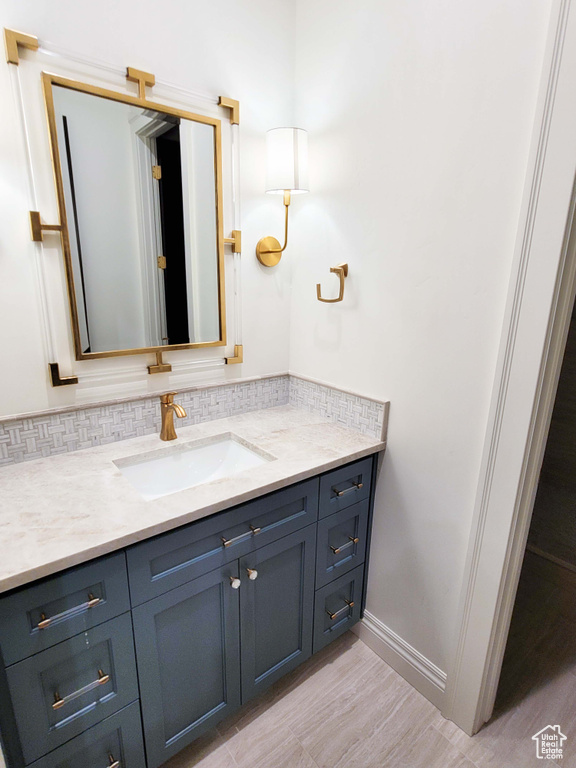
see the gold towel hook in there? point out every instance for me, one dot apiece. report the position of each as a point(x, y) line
point(342, 271)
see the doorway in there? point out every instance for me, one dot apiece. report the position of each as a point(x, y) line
point(538, 679)
point(169, 159)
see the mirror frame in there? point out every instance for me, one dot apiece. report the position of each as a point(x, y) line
point(48, 80)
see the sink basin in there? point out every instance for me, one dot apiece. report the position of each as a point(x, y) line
point(177, 467)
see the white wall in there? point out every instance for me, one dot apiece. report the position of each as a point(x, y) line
point(420, 116)
point(200, 46)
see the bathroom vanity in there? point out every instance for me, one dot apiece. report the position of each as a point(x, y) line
point(125, 658)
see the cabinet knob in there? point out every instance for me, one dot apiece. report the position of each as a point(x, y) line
point(113, 763)
point(235, 582)
point(252, 574)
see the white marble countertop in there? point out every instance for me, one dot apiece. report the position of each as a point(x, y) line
point(64, 510)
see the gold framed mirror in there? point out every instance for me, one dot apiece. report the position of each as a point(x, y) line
point(139, 191)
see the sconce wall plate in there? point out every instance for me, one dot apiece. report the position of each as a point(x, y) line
point(268, 251)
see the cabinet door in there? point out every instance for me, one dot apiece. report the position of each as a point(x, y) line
point(276, 607)
point(188, 661)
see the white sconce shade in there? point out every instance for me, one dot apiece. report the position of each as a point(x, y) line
point(287, 156)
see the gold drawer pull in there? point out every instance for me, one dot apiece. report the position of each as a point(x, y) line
point(352, 540)
point(59, 701)
point(349, 604)
point(228, 542)
point(45, 621)
point(355, 487)
point(113, 763)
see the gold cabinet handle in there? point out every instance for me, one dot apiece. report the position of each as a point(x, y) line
point(113, 763)
point(252, 532)
point(355, 487)
point(45, 621)
point(352, 540)
point(349, 604)
point(252, 574)
point(235, 582)
point(59, 701)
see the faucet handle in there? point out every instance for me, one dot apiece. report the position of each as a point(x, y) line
point(168, 398)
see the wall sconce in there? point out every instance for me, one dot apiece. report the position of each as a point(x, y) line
point(287, 174)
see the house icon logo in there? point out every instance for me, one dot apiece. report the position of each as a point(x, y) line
point(549, 743)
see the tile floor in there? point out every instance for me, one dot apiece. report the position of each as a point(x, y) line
point(346, 708)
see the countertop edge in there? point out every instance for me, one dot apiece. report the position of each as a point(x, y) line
point(30, 575)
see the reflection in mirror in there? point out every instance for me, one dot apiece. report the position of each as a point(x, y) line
point(140, 189)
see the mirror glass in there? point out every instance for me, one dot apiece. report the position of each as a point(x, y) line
point(139, 189)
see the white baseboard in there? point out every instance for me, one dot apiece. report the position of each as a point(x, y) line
point(419, 671)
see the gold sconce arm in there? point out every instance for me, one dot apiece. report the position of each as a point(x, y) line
point(342, 271)
point(268, 250)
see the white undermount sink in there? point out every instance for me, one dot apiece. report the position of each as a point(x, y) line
point(177, 467)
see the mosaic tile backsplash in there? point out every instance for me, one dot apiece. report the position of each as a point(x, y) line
point(367, 416)
point(49, 434)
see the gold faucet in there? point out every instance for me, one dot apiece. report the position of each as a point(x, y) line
point(168, 408)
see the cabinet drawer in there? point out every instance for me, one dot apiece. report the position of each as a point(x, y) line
point(341, 542)
point(66, 689)
point(115, 741)
point(37, 617)
point(156, 566)
point(345, 486)
point(333, 609)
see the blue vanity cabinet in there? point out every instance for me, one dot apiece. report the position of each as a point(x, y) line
point(254, 614)
point(187, 647)
point(276, 609)
point(125, 660)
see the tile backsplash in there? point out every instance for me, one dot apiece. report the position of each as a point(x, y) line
point(48, 434)
point(367, 416)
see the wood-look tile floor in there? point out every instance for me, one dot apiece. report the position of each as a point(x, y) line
point(346, 708)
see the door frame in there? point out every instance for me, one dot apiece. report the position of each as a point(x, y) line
point(536, 321)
